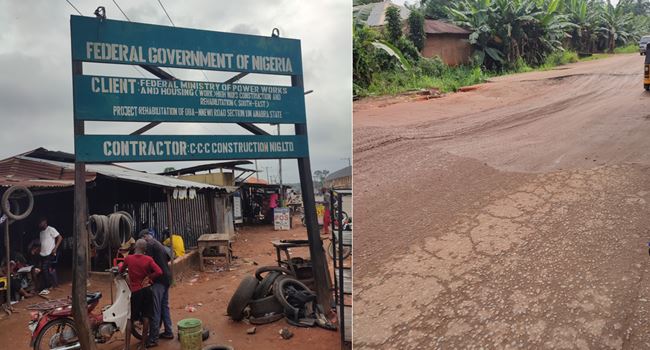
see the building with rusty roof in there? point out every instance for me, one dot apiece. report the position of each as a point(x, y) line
point(447, 41)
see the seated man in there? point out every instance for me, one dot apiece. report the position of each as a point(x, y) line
point(17, 289)
point(142, 271)
point(179, 245)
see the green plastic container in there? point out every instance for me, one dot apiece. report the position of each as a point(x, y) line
point(190, 333)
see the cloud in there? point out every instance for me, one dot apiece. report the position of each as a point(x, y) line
point(36, 88)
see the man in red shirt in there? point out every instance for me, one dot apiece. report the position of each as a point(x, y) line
point(142, 271)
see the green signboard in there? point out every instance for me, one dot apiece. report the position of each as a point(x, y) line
point(150, 148)
point(110, 41)
point(137, 99)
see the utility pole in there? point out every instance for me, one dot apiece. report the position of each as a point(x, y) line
point(266, 168)
point(80, 257)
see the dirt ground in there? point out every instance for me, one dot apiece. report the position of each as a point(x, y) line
point(513, 216)
point(213, 290)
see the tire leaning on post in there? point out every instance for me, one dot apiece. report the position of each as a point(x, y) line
point(6, 204)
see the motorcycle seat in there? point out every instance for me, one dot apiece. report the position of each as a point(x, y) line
point(93, 297)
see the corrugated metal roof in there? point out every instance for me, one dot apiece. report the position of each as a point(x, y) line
point(126, 174)
point(441, 27)
point(347, 171)
point(211, 166)
point(32, 173)
point(375, 14)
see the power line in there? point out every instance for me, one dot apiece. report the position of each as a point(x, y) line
point(119, 8)
point(164, 9)
point(76, 9)
point(174, 25)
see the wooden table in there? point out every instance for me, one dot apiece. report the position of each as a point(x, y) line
point(284, 246)
point(214, 240)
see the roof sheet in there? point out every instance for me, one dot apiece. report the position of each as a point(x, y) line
point(375, 14)
point(211, 166)
point(126, 174)
point(32, 173)
point(432, 26)
point(347, 171)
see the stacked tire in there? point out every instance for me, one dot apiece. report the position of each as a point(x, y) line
point(110, 230)
point(256, 296)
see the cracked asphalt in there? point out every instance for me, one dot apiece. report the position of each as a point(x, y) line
point(514, 216)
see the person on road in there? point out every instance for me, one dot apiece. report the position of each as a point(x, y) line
point(142, 272)
point(326, 214)
point(160, 291)
point(50, 240)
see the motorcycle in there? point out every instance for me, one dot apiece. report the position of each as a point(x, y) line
point(55, 329)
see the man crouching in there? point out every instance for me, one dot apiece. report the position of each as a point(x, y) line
point(142, 270)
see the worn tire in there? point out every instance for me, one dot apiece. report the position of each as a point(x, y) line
point(218, 347)
point(264, 288)
point(242, 297)
point(265, 319)
point(266, 305)
point(6, 205)
point(278, 292)
point(263, 269)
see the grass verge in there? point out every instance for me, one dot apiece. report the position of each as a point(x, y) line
point(450, 79)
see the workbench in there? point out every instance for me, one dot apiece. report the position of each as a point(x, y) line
point(214, 240)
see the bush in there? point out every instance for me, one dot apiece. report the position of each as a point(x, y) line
point(521, 66)
point(559, 58)
point(408, 49)
point(631, 48)
point(431, 66)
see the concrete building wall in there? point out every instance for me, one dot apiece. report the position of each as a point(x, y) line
point(217, 179)
point(453, 49)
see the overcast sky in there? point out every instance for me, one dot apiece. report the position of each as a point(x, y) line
point(36, 88)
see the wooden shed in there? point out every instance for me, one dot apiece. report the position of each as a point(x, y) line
point(447, 41)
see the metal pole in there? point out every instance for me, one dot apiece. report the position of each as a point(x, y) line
point(339, 242)
point(80, 266)
point(170, 222)
point(316, 252)
point(280, 174)
point(7, 260)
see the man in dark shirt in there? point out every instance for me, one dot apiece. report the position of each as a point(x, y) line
point(160, 291)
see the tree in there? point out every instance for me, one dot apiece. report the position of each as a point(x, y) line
point(416, 29)
point(319, 177)
point(615, 25)
point(436, 9)
point(393, 24)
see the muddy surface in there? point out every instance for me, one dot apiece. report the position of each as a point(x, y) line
point(513, 216)
point(213, 290)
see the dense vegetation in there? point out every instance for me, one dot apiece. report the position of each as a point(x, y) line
point(506, 35)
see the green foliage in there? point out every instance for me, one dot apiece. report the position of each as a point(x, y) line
point(435, 9)
point(408, 49)
point(416, 29)
point(448, 80)
point(559, 58)
point(631, 48)
point(507, 36)
point(364, 60)
point(430, 66)
point(393, 24)
point(364, 2)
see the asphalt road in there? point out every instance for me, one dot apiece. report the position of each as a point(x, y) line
point(511, 216)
